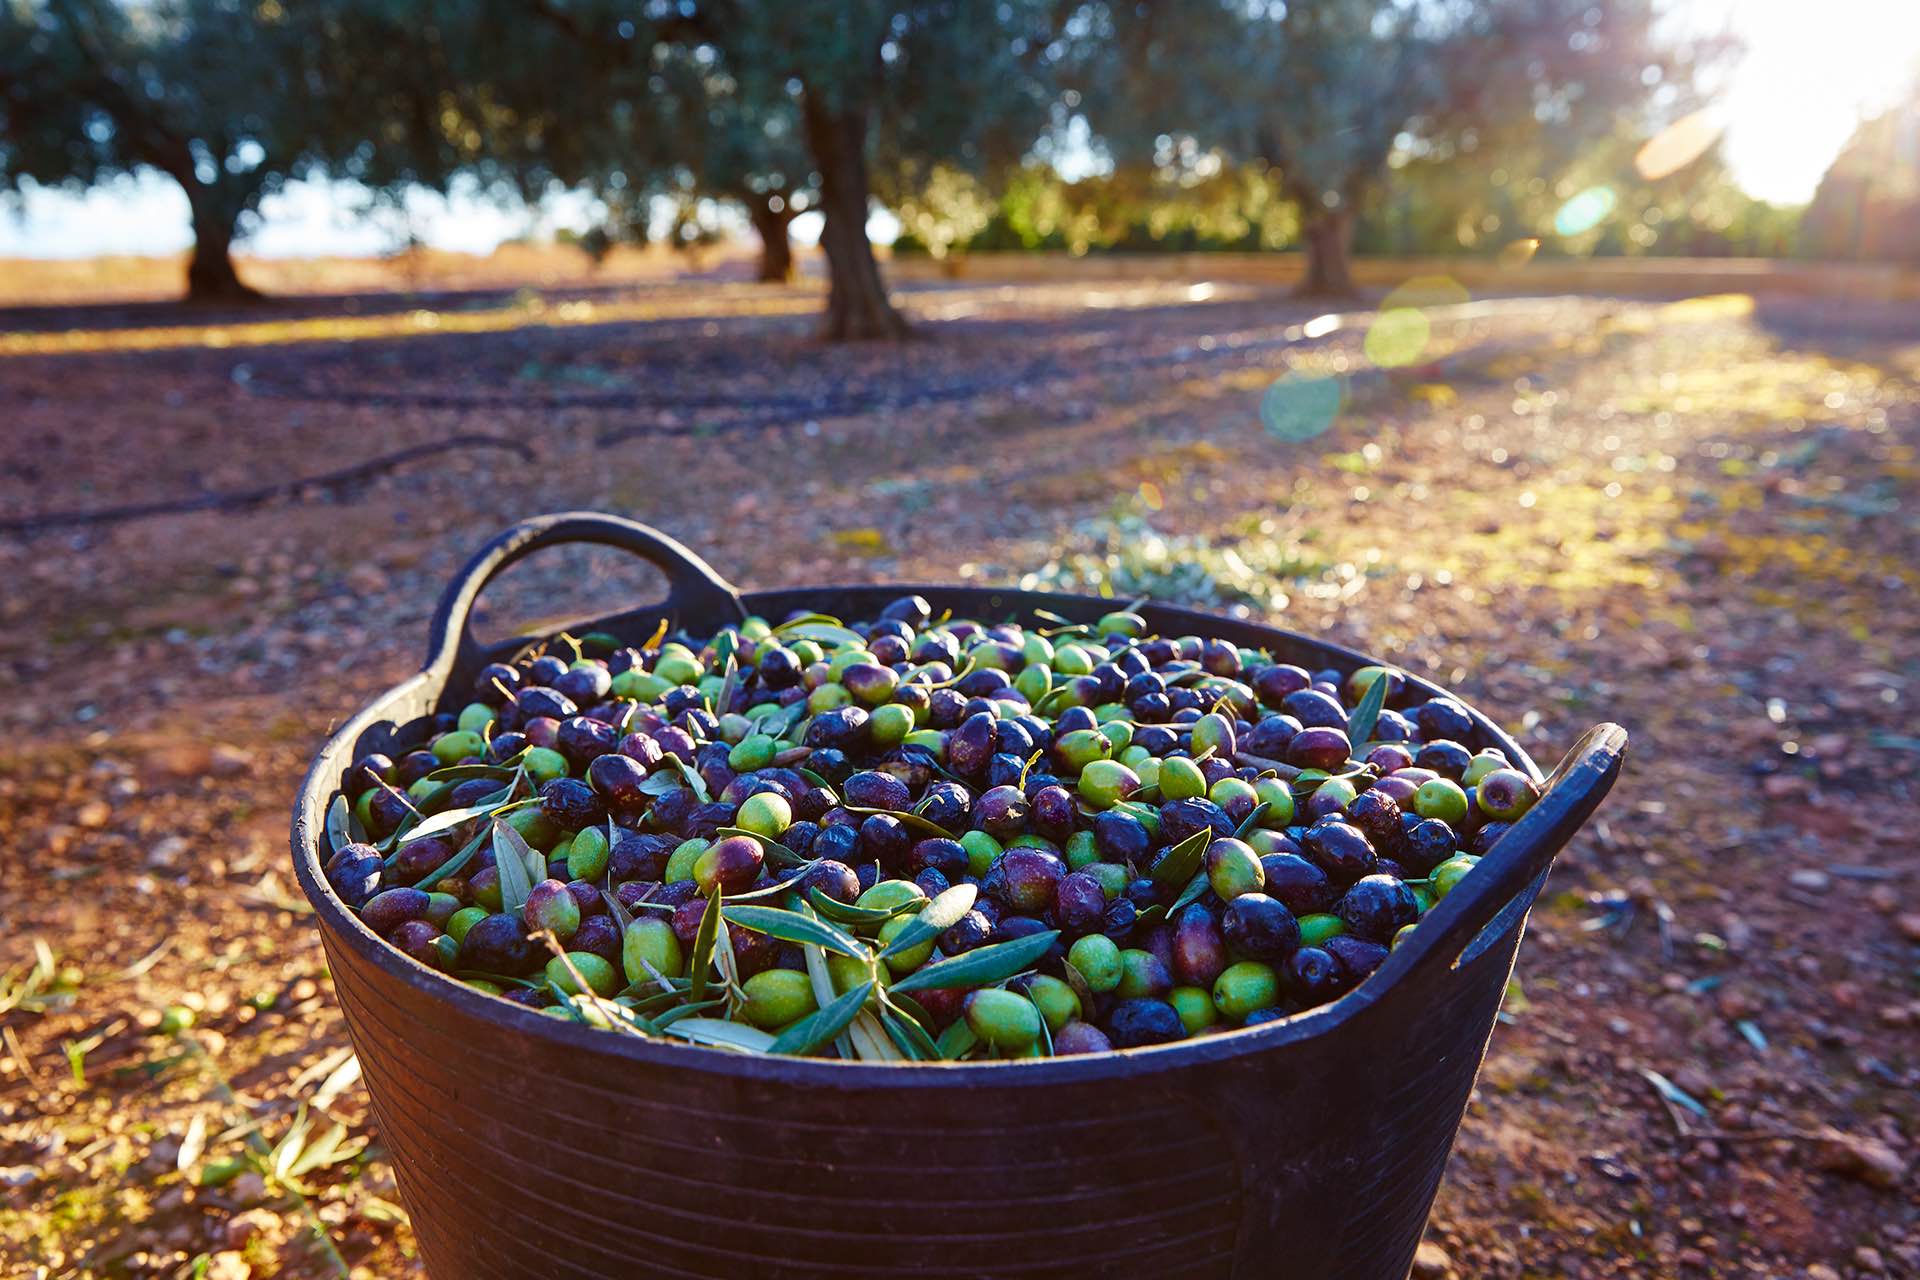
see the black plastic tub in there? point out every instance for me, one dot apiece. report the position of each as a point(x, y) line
point(1309, 1147)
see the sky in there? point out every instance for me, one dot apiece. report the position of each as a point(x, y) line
point(1812, 68)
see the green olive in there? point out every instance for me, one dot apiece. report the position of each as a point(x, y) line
point(753, 751)
point(1195, 1008)
point(462, 920)
point(1229, 790)
point(981, 849)
point(934, 740)
point(1112, 877)
point(685, 855)
point(1034, 682)
point(1441, 798)
point(1278, 797)
point(765, 814)
point(1213, 732)
point(1007, 1021)
point(889, 726)
point(535, 827)
point(913, 957)
point(1245, 988)
point(1449, 874)
point(451, 748)
point(1339, 792)
point(1233, 868)
point(641, 686)
point(828, 697)
point(650, 940)
point(587, 854)
point(1079, 748)
point(1105, 783)
point(1097, 958)
point(889, 894)
point(776, 997)
point(1316, 929)
point(678, 667)
point(1082, 850)
point(543, 765)
point(597, 973)
point(1482, 764)
point(476, 716)
point(1181, 779)
point(1055, 999)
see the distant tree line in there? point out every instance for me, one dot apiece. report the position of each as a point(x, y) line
point(1251, 124)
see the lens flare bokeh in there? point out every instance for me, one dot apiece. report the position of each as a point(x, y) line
point(1300, 406)
point(1585, 211)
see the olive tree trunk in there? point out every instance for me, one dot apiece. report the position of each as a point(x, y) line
point(857, 305)
point(210, 273)
point(1329, 240)
point(776, 248)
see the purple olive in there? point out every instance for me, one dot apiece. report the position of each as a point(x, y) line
point(1199, 948)
point(390, 908)
point(1319, 747)
point(1031, 878)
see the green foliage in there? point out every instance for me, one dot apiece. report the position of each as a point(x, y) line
point(219, 95)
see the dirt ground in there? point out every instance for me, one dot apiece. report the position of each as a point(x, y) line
point(1700, 518)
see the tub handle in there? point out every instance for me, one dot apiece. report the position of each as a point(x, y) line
point(694, 590)
point(1573, 790)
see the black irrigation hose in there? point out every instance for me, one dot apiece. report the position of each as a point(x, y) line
point(242, 499)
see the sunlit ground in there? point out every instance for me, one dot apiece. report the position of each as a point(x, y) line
point(1695, 517)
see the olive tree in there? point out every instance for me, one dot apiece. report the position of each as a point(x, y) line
point(1327, 91)
point(211, 93)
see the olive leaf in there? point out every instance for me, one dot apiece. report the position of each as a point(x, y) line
point(448, 819)
point(980, 966)
point(1178, 864)
point(824, 1024)
point(934, 919)
point(913, 820)
point(510, 854)
point(694, 780)
point(1078, 981)
point(719, 1033)
point(468, 772)
point(913, 1009)
point(618, 910)
point(791, 926)
point(339, 815)
point(703, 943)
point(436, 799)
point(728, 685)
point(870, 1043)
point(1360, 724)
point(453, 865)
point(770, 891)
point(1195, 887)
point(672, 1016)
point(956, 1042)
point(662, 783)
point(909, 1036)
point(844, 913)
point(825, 632)
point(1252, 820)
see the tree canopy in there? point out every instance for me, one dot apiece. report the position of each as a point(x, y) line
point(211, 93)
point(1249, 122)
